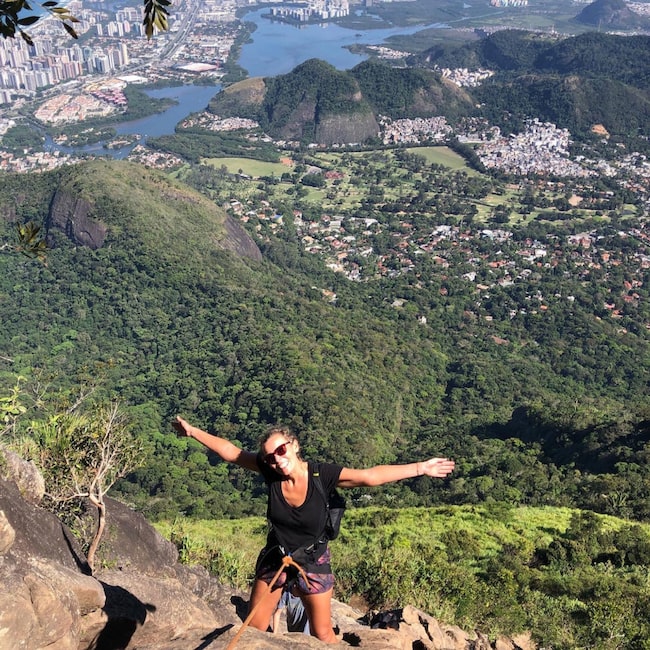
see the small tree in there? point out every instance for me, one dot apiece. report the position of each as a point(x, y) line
point(82, 454)
point(11, 408)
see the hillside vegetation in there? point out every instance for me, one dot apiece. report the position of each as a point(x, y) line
point(543, 408)
point(574, 82)
point(572, 579)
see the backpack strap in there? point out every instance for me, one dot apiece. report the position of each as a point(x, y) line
point(321, 490)
point(334, 506)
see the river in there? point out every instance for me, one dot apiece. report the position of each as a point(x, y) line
point(274, 48)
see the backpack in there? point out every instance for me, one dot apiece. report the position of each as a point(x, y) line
point(335, 504)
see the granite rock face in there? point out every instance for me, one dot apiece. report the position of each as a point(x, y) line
point(71, 215)
point(76, 218)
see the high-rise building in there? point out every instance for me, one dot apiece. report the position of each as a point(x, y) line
point(126, 59)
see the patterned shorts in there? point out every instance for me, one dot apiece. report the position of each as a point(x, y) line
point(319, 583)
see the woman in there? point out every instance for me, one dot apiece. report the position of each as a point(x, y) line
point(297, 515)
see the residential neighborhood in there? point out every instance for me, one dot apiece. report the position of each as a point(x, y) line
point(347, 246)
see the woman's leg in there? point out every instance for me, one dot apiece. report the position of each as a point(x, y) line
point(319, 611)
point(265, 602)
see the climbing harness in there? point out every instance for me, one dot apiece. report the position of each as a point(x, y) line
point(287, 561)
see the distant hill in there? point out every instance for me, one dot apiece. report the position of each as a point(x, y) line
point(611, 14)
point(501, 51)
point(574, 82)
point(573, 102)
point(318, 103)
point(97, 206)
point(409, 92)
point(623, 58)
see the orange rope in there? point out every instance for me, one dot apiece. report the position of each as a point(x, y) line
point(287, 561)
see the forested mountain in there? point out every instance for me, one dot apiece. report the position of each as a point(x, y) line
point(315, 102)
point(573, 82)
point(611, 14)
point(547, 407)
point(408, 92)
point(591, 54)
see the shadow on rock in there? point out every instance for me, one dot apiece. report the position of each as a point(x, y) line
point(125, 613)
point(209, 638)
point(241, 606)
point(80, 561)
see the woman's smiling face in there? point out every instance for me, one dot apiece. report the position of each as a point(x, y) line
point(280, 453)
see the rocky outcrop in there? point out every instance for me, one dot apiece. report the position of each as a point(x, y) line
point(71, 215)
point(26, 476)
point(143, 599)
point(345, 129)
point(298, 121)
point(239, 241)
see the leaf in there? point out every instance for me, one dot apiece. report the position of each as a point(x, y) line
point(29, 20)
point(27, 38)
point(70, 30)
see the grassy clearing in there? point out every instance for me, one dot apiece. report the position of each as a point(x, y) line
point(250, 167)
point(442, 156)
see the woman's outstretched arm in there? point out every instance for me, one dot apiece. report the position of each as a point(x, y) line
point(380, 474)
point(228, 451)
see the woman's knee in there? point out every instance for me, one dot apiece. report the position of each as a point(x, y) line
point(325, 634)
point(320, 616)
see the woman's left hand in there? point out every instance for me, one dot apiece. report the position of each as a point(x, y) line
point(436, 467)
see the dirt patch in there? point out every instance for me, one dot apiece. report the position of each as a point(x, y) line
point(599, 129)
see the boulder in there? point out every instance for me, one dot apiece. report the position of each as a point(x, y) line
point(72, 215)
point(26, 476)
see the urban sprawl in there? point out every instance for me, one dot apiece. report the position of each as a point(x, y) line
point(77, 81)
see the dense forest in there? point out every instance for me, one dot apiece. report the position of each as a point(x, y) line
point(174, 324)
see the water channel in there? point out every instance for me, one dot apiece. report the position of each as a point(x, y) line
point(275, 48)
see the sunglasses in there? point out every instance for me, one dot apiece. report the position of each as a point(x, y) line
point(281, 450)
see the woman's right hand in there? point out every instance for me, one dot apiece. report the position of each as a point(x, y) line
point(182, 427)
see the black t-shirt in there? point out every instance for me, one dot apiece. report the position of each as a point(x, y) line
point(299, 526)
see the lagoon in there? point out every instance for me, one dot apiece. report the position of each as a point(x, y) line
point(189, 98)
point(278, 47)
point(275, 48)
